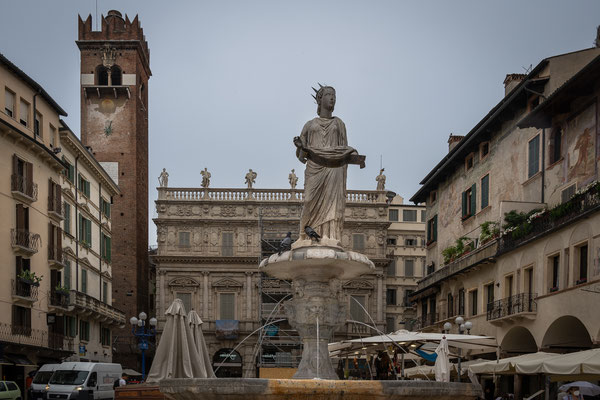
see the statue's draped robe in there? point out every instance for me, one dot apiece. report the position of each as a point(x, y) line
point(325, 187)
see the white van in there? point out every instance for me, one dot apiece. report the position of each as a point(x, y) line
point(37, 390)
point(83, 380)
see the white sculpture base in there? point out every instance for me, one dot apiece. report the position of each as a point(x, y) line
point(316, 273)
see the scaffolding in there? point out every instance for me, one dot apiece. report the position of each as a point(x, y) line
point(279, 345)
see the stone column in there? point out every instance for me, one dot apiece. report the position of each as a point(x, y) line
point(249, 295)
point(205, 315)
point(379, 297)
point(162, 289)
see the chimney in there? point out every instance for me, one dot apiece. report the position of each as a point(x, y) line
point(453, 140)
point(597, 41)
point(511, 81)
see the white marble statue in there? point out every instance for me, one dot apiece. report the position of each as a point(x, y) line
point(163, 178)
point(205, 178)
point(293, 179)
point(251, 178)
point(380, 180)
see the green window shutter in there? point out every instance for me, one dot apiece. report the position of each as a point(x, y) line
point(485, 191)
point(108, 249)
point(67, 274)
point(473, 199)
point(435, 228)
point(88, 232)
point(84, 281)
point(67, 216)
point(81, 229)
point(534, 155)
point(464, 204)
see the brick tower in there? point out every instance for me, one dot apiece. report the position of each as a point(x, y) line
point(114, 124)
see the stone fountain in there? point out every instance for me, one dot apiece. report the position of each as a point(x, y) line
point(317, 264)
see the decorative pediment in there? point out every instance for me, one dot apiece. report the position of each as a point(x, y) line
point(227, 283)
point(68, 192)
point(69, 251)
point(358, 284)
point(85, 206)
point(85, 261)
point(183, 282)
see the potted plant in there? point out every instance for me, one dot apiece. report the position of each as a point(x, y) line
point(62, 290)
point(489, 231)
point(29, 277)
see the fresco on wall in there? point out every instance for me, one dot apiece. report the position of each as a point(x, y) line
point(581, 134)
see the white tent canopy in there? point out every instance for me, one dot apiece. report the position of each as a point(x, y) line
point(427, 371)
point(581, 362)
point(509, 365)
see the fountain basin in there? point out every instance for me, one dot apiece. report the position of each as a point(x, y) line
point(300, 389)
point(317, 263)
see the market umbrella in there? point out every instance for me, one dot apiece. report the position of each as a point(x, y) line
point(442, 362)
point(176, 355)
point(195, 325)
point(585, 388)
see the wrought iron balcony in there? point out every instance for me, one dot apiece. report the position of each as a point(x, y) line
point(23, 189)
point(24, 242)
point(59, 299)
point(55, 207)
point(26, 292)
point(88, 305)
point(425, 320)
point(56, 257)
point(577, 207)
point(25, 335)
point(519, 305)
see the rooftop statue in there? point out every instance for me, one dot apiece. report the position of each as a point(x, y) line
point(205, 178)
point(163, 178)
point(251, 178)
point(323, 147)
point(380, 180)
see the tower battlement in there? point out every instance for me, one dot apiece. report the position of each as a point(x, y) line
point(113, 29)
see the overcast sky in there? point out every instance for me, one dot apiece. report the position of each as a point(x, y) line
point(232, 80)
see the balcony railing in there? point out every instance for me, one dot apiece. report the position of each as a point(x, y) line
point(55, 256)
point(577, 207)
point(24, 240)
point(24, 290)
point(20, 185)
point(25, 335)
point(424, 321)
point(517, 304)
point(96, 308)
point(262, 195)
point(55, 206)
point(58, 299)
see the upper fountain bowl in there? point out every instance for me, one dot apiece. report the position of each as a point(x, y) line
point(317, 263)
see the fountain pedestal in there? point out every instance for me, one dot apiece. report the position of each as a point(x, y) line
point(318, 307)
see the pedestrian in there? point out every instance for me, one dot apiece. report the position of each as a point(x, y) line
point(573, 394)
point(123, 380)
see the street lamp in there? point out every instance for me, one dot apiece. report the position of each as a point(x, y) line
point(139, 330)
point(462, 327)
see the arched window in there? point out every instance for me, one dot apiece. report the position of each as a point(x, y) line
point(116, 76)
point(101, 75)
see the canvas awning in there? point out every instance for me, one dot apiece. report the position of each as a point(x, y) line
point(131, 372)
point(581, 362)
point(20, 360)
point(427, 371)
point(508, 365)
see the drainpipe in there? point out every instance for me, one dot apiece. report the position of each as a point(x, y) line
point(100, 236)
point(543, 162)
point(76, 225)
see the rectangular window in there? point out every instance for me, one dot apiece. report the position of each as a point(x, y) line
point(432, 230)
point(357, 306)
point(461, 302)
point(67, 220)
point(186, 299)
point(390, 324)
point(407, 294)
point(567, 193)
point(70, 326)
point(84, 330)
point(104, 336)
point(554, 272)
point(393, 215)
point(227, 305)
point(423, 216)
point(409, 268)
point(391, 269)
point(84, 186)
point(484, 150)
point(390, 297)
point(67, 274)
point(555, 145)
point(489, 293)
point(358, 242)
point(105, 207)
point(9, 103)
point(534, 156)
point(583, 263)
point(433, 196)
point(485, 191)
point(106, 247)
point(473, 298)
point(409, 215)
point(184, 239)
point(37, 125)
point(469, 202)
point(21, 320)
point(469, 162)
point(52, 137)
point(450, 305)
point(69, 170)
point(84, 281)
point(410, 242)
point(105, 292)
point(24, 113)
point(85, 231)
point(227, 245)
point(54, 197)
point(392, 241)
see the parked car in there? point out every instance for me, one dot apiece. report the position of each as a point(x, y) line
point(83, 380)
point(9, 390)
point(37, 390)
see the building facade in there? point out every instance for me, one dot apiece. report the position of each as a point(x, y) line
point(210, 243)
point(513, 223)
point(31, 215)
point(86, 312)
point(115, 69)
point(406, 250)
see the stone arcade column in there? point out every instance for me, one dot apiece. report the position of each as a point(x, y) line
point(249, 295)
point(205, 315)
